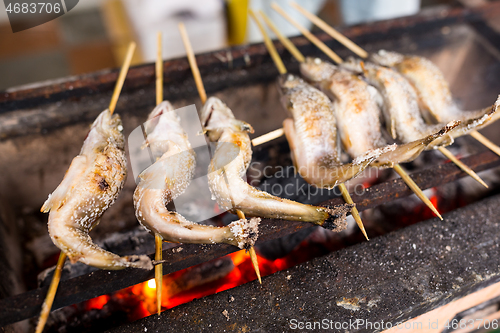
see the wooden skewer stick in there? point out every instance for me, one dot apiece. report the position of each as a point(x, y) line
point(121, 77)
point(158, 271)
point(461, 165)
point(251, 251)
point(283, 39)
point(481, 138)
point(203, 97)
point(300, 58)
point(331, 31)
point(159, 69)
point(308, 34)
point(51, 293)
point(49, 298)
point(192, 63)
point(414, 187)
point(363, 54)
point(354, 211)
point(158, 239)
point(268, 137)
point(269, 45)
point(411, 184)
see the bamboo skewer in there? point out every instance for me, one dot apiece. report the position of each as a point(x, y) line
point(269, 45)
point(461, 165)
point(121, 77)
point(331, 31)
point(363, 54)
point(308, 34)
point(203, 97)
point(300, 58)
point(285, 41)
point(192, 63)
point(158, 239)
point(51, 293)
point(251, 251)
point(268, 137)
point(414, 187)
point(481, 138)
point(411, 184)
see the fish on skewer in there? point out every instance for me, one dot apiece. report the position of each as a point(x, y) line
point(230, 161)
point(358, 114)
point(168, 178)
point(293, 96)
point(312, 135)
point(402, 113)
point(435, 98)
point(91, 185)
point(399, 101)
point(468, 126)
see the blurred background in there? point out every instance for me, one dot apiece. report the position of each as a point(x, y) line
point(95, 34)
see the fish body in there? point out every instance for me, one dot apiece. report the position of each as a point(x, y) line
point(400, 101)
point(230, 161)
point(358, 114)
point(435, 99)
point(312, 135)
point(168, 178)
point(91, 185)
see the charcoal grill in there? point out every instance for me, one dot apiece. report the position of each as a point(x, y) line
point(394, 277)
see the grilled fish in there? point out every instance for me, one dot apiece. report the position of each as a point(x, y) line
point(436, 102)
point(312, 135)
point(230, 161)
point(400, 101)
point(91, 185)
point(168, 178)
point(358, 114)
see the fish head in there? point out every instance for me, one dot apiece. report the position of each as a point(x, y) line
point(288, 84)
point(387, 58)
point(162, 123)
point(217, 116)
point(317, 70)
point(354, 65)
point(161, 109)
point(107, 126)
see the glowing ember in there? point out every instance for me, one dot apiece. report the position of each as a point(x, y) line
point(141, 298)
point(151, 284)
point(97, 303)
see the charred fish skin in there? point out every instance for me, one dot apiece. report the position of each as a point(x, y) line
point(168, 178)
point(357, 114)
point(312, 135)
point(434, 94)
point(230, 161)
point(91, 185)
point(400, 101)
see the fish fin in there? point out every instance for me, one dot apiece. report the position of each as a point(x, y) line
point(73, 258)
point(243, 126)
point(409, 151)
point(392, 128)
point(58, 197)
